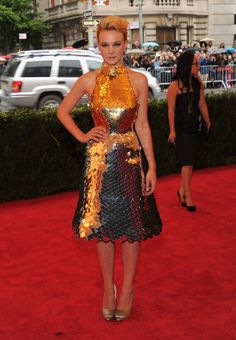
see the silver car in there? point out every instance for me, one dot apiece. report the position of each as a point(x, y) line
point(38, 81)
point(43, 79)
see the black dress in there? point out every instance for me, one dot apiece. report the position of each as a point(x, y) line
point(111, 205)
point(187, 123)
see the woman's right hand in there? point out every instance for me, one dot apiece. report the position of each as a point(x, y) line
point(208, 124)
point(96, 134)
point(172, 137)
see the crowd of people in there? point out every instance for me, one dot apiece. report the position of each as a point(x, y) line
point(211, 59)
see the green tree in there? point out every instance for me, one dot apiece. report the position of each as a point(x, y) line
point(20, 17)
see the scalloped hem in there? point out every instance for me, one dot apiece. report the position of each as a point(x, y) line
point(94, 236)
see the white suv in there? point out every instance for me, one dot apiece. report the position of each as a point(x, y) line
point(37, 80)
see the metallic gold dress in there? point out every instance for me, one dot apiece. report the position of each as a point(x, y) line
point(111, 205)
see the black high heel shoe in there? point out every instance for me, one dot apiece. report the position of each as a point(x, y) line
point(191, 208)
point(182, 202)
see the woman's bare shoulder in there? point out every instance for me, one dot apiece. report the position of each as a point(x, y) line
point(174, 87)
point(174, 84)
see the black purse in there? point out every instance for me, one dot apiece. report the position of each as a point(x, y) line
point(202, 130)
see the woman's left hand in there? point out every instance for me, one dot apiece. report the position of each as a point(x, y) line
point(150, 182)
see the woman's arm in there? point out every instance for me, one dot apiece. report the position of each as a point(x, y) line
point(82, 86)
point(171, 100)
point(203, 107)
point(144, 133)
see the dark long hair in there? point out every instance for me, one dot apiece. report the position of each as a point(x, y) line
point(183, 72)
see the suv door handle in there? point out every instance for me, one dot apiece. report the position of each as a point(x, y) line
point(61, 82)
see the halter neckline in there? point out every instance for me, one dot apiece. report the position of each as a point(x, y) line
point(113, 70)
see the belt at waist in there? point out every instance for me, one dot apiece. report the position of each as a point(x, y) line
point(128, 139)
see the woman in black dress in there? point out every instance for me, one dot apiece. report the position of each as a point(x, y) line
point(116, 200)
point(186, 109)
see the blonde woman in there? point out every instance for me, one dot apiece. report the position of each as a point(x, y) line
point(116, 196)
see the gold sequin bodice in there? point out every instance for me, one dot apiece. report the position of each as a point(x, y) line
point(113, 101)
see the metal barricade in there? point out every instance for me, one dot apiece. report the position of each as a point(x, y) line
point(164, 76)
point(231, 75)
point(217, 76)
point(212, 76)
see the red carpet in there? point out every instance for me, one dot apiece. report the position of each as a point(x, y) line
point(50, 285)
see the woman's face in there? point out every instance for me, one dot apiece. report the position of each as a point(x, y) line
point(112, 46)
point(195, 65)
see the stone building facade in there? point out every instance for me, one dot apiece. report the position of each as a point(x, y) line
point(163, 20)
point(222, 21)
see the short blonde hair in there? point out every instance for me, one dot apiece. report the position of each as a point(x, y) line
point(115, 23)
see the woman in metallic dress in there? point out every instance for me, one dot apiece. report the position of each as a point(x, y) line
point(116, 200)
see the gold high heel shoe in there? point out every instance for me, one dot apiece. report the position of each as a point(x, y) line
point(109, 314)
point(121, 315)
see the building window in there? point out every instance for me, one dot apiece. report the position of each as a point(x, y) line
point(135, 37)
point(189, 35)
point(64, 40)
point(234, 19)
point(190, 3)
point(168, 2)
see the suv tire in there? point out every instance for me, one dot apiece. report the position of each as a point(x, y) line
point(50, 100)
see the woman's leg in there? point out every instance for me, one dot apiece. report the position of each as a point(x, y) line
point(130, 254)
point(181, 188)
point(186, 178)
point(106, 255)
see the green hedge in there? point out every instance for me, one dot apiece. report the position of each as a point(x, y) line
point(39, 157)
point(220, 149)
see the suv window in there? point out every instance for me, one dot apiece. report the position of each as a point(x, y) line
point(11, 68)
point(93, 65)
point(70, 68)
point(37, 69)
